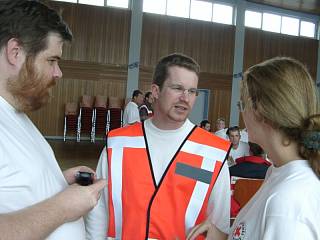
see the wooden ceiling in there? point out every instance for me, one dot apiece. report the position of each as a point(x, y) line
point(306, 6)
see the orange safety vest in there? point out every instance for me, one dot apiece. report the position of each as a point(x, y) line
point(140, 209)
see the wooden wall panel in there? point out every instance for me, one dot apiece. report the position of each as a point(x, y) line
point(101, 34)
point(96, 62)
point(261, 45)
point(210, 44)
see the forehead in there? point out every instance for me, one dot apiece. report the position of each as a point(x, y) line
point(181, 75)
point(234, 133)
point(54, 46)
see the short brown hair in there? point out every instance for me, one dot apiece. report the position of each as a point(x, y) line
point(30, 22)
point(176, 59)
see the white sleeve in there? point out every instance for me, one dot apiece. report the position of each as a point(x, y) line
point(97, 219)
point(133, 114)
point(279, 227)
point(220, 200)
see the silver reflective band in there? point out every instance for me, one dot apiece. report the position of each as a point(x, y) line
point(195, 173)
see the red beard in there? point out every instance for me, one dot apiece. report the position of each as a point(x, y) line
point(30, 89)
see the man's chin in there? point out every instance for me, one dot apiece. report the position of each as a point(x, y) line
point(34, 104)
point(179, 118)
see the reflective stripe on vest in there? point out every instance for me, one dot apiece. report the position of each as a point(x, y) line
point(117, 144)
point(201, 187)
point(197, 180)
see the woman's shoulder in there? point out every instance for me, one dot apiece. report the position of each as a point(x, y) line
point(295, 194)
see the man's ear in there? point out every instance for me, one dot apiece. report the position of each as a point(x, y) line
point(14, 51)
point(155, 89)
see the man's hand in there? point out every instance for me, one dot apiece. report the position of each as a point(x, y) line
point(70, 173)
point(76, 201)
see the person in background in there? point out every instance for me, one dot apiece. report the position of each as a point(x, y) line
point(146, 109)
point(238, 149)
point(253, 166)
point(165, 175)
point(37, 200)
point(221, 130)
point(280, 108)
point(131, 112)
point(205, 124)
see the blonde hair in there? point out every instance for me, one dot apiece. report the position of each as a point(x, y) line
point(282, 93)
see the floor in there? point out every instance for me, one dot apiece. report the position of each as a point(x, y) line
point(72, 153)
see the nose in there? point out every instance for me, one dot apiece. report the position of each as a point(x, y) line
point(185, 95)
point(57, 72)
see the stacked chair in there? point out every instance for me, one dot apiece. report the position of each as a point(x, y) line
point(70, 119)
point(114, 113)
point(94, 117)
point(99, 117)
point(85, 118)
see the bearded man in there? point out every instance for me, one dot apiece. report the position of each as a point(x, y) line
point(37, 201)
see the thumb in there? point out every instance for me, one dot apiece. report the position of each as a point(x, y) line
point(98, 185)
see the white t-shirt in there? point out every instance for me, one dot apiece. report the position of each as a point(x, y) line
point(29, 172)
point(222, 133)
point(241, 151)
point(287, 206)
point(219, 202)
point(131, 114)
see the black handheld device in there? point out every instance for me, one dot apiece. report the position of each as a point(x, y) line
point(84, 178)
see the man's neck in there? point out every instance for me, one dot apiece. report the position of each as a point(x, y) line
point(166, 124)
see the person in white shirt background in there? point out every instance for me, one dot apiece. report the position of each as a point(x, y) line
point(280, 108)
point(37, 199)
point(221, 130)
point(146, 109)
point(239, 148)
point(131, 113)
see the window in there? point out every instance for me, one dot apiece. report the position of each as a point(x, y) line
point(118, 3)
point(153, 6)
point(307, 29)
point(222, 13)
point(178, 8)
point(271, 22)
point(290, 26)
point(201, 10)
point(92, 2)
point(252, 19)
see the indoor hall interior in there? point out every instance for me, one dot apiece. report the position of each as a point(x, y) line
point(71, 153)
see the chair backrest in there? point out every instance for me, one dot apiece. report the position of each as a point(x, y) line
point(71, 108)
point(245, 188)
point(115, 102)
point(87, 101)
point(100, 102)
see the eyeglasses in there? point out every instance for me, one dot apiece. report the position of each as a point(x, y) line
point(241, 106)
point(178, 89)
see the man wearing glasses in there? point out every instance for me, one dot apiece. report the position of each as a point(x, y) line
point(165, 175)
